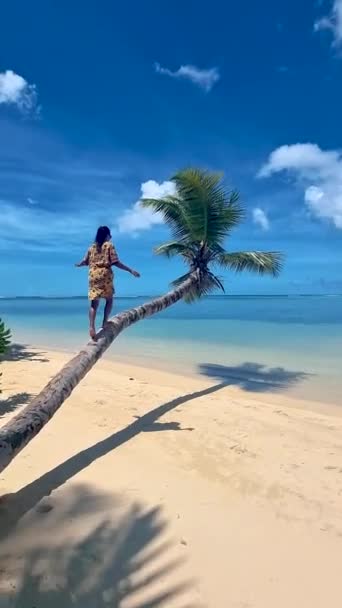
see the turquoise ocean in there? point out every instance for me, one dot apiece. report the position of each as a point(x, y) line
point(289, 344)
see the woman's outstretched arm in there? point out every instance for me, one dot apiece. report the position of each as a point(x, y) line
point(84, 262)
point(114, 260)
point(122, 266)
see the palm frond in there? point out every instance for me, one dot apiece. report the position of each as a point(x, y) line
point(217, 282)
point(173, 213)
point(208, 283)
point(175, 248)
point(190, 178)
point(180, 280)
point(211, 211)
point(234, 212)
point(254, 261)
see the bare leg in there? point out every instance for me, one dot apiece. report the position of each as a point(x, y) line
point(94, 304)
point(107, 311)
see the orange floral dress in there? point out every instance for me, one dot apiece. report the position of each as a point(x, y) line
point(101, 275)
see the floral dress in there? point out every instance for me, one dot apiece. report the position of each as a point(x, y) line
point(101, 276)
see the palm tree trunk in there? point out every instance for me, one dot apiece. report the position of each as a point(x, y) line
point(19, 431)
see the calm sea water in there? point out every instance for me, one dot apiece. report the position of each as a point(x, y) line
point(288, 344)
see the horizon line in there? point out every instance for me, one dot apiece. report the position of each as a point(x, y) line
point(131, 297)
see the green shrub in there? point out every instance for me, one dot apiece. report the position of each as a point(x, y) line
point(5, 339)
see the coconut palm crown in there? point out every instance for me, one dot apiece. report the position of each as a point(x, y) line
point(201, 215)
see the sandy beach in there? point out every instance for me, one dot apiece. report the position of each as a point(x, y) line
point(152, 489)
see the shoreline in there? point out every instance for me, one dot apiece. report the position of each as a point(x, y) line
point(235, 381)
point(252, 344)
point(137, 459)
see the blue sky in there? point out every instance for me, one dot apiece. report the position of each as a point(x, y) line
point(101, 101)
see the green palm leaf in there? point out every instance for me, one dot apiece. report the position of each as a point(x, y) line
point(173, 213)
point(175, 248)
point(254, 261)
point(211, 211)
point(207, 284)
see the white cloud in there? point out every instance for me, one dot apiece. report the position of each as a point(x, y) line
point(332, 22)
point(15, 90)
point(205, 79)
point(320, 173)
point(260, 218)
point(137, 218)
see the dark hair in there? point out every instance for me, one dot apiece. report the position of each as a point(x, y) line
point(102, 235)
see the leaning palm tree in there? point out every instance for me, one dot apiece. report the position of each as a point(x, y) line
point(201, 215)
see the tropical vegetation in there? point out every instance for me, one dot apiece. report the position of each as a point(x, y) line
point(5, 340)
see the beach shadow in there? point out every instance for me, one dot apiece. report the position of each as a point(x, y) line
point(13, 402)
point(21, 352)
point(157, 427)
point(14, 506)
point(120, 554)
point(254, 377)
point(250, 376)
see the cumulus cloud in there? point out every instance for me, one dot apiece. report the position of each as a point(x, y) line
point(260, 219)
point(15, 90)
point(318, 171)
point(332, 22)
point(205, 79)
point(137, 219)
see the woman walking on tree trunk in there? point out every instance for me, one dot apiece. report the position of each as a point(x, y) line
point(100, 258)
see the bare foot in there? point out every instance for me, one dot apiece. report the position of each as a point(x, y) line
point(92, 333)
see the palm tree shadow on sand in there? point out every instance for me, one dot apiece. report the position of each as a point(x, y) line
point(29, 499)
point(11, 403)
point(14, 506)
point(87, 549)
point(18, 352)
point(22, 352)
point(254, 377)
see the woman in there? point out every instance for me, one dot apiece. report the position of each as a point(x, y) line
point(100, 258)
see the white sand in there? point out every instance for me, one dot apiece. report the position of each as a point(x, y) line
point(141, 493)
